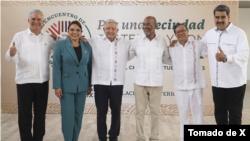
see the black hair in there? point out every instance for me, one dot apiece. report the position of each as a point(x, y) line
point(75, 22)
point(222, 8)
point(178, 24)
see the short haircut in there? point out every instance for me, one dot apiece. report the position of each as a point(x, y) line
point(178, 24)
point(75, 22)
point(154, 19)
point(222, 8)
point(35, 11)
point(111, 21)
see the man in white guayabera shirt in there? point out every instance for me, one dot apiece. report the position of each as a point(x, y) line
point(228, 52)
point(188, 76)
point(110, 56)
point(151, 51)
point(109, 59)
point(30, 50)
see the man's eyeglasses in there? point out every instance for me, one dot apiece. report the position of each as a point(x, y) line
point(181, 31)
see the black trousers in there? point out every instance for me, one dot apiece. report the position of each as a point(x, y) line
point(36, 93)
point(113, 94)
point(228, 104)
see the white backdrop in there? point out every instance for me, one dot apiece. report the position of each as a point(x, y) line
point(197, 14)
point(244, 24)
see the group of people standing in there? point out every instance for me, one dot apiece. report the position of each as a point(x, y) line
point(79, 64)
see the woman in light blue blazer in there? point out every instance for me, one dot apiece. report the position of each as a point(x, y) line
point(72, 66)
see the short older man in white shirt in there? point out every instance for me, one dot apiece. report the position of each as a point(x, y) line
point(228, 52)
point(150, 50)
point(30, 50)
point(188, 76)
point(110, 56)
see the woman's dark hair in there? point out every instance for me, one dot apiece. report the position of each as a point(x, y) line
point(222, 8)
point(75, 22)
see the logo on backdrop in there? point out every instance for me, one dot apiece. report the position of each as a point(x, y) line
point(58, 24)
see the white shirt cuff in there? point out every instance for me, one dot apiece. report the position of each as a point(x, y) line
point(230, 58)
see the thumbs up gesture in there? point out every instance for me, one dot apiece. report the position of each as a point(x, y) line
point(220, 56)
point(13, 50)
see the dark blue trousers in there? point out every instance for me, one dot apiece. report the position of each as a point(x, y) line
point(108, 96)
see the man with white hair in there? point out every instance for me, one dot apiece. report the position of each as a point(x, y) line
point(110, 55)
point(30, 49)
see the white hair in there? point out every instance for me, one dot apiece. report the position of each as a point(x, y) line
point(35, 11)
point(111, 21)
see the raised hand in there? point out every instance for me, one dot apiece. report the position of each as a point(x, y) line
point(172, 44)
point(220, 56)
point(13, 50)
point(58, 93)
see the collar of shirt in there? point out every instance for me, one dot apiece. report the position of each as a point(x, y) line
point(144, 36)
point(105, 38)
point(30, 33)
point(230, 25)
point(188, 41)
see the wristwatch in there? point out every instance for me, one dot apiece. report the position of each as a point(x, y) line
point(225, 59)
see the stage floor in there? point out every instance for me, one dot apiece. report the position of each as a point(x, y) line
point(169, 127)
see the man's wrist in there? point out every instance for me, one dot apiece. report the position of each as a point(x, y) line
point(225, 59)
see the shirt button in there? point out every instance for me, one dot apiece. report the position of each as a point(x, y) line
point(77, 72)
point(77, 65)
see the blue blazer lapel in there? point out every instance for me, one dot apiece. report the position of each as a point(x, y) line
point(71, 50)
point(84, 52)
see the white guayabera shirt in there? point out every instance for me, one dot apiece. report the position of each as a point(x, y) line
point(150, 55)
point(109, 60)
point(233, 42)
point(32, 56)
point(186, 65)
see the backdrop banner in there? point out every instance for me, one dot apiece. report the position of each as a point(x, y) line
point(92, 14)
